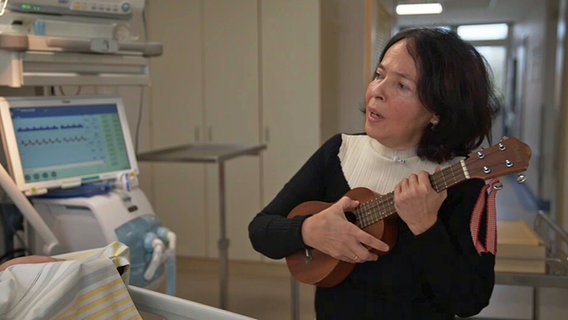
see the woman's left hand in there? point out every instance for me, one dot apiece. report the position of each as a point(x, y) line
point(417, 203)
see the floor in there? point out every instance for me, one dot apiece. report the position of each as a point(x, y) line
point(263, 291)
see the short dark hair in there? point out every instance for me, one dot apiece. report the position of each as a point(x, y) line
point(455, 83)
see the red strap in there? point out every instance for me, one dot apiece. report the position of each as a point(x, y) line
point(486, 201)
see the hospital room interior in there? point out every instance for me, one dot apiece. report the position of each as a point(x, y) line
point(184, 118)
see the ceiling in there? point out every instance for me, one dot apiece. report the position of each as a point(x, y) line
point(472, 11)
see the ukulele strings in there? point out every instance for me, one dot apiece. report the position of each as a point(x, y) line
point(448, 177)
point(375, 210)
point(382, 206)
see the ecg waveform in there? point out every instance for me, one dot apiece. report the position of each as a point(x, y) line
point(48, 141)
point(49, 128)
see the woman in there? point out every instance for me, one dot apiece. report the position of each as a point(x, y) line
point(428, 106)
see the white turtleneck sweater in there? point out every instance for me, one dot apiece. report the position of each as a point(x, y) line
point(361, 155)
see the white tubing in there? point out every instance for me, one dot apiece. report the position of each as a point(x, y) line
point(171, 282)
point(169, 237)
point(157, 252)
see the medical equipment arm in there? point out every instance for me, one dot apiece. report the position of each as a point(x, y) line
point(52, 245)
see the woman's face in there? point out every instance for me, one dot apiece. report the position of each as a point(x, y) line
point(395, 116)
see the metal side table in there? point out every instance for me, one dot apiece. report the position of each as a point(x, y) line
point(209, 153)
point(556, 262)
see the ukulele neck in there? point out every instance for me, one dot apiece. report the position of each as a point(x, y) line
point(382, 206)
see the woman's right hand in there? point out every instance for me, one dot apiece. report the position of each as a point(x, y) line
point(330, 232)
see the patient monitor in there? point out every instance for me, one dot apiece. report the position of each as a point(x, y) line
point(59, 143)
point(74, 159)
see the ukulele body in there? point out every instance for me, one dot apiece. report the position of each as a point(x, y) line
point(317, 268)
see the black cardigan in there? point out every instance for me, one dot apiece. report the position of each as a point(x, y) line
point(435, 275)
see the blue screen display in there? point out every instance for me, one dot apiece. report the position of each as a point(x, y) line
point(59, 142)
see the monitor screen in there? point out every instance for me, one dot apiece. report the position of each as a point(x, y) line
point(62, 142)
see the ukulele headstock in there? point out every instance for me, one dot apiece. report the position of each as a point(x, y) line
point(509, 156)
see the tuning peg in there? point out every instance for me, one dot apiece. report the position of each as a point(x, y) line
point(521, 178)
point(498, 186)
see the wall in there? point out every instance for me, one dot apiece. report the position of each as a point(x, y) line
point(351, 65)
point(530, 46)
point(562, 108)
point(550, 116)
point(330, 88)
point(348, 57)
point(545, 127)
point(543, 122)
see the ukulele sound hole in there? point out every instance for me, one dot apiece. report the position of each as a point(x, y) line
point(351, 217)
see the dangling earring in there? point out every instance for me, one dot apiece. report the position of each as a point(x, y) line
point(433, 125)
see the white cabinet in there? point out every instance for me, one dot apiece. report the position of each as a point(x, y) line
point(175, 109)
point(290, 88)
point(205, 89)
point(231, 100)
point(233, 71)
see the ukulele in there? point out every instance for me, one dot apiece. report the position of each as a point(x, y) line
point(376, 213)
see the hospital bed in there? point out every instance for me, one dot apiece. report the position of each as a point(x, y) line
point(92, 284)
point(151, 303)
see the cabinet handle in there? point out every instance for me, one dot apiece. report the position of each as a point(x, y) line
point(196, 135)
point(210, 133)
point(266, 134)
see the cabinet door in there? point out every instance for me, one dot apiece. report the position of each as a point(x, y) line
point(290, 89)
point(231, 100)
point(176, 113)
point(176, 89)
